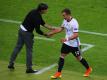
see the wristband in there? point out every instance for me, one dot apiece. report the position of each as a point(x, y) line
point(67, 39)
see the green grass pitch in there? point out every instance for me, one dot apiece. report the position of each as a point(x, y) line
point(92, 16)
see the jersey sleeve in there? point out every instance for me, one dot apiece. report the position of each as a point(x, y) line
point(75, 26)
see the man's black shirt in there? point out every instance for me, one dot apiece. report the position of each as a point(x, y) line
point(33, 20)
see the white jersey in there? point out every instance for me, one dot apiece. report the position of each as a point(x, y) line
point(70, 28)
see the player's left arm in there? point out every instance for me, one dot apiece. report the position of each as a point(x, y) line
point(74, 36)
point(75, 31)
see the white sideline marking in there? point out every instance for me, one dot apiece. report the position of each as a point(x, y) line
point(10, 21)
point(46, 68)
point(46, 39)
point(88, 46)
point(82, 31)
point(94, 33)
point(43, 38)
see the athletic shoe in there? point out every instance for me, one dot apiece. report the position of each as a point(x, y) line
point(57, 75)
point(11, 66)
point(31, 71)
point(88, 71)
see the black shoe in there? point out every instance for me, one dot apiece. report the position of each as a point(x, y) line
point(11, 67)
point(31, 71)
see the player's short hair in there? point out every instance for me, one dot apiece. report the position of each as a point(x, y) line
point(42, 6)
point(67, 11)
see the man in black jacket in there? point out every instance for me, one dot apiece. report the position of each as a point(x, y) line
point(32, 21)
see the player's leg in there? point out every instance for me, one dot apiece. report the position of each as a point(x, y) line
point(82, 60)
point(60, 66)
point(86, 65)
point(64, 52)
point(19, 45)
point(61, 61)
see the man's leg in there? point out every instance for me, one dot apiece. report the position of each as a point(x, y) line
point(19, 45)
point(29, 47)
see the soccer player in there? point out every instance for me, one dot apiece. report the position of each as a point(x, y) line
point(70, 43)
point(32, 21)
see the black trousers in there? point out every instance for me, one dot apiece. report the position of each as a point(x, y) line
point(26, 38)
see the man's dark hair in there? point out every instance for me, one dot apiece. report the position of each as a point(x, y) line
point(67, 11)
point(42, 6)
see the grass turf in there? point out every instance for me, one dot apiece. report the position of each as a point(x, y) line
point(91, 15)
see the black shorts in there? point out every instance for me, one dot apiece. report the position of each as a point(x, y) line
point(67, 49)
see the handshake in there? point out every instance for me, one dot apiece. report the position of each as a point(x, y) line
point(54, 31)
